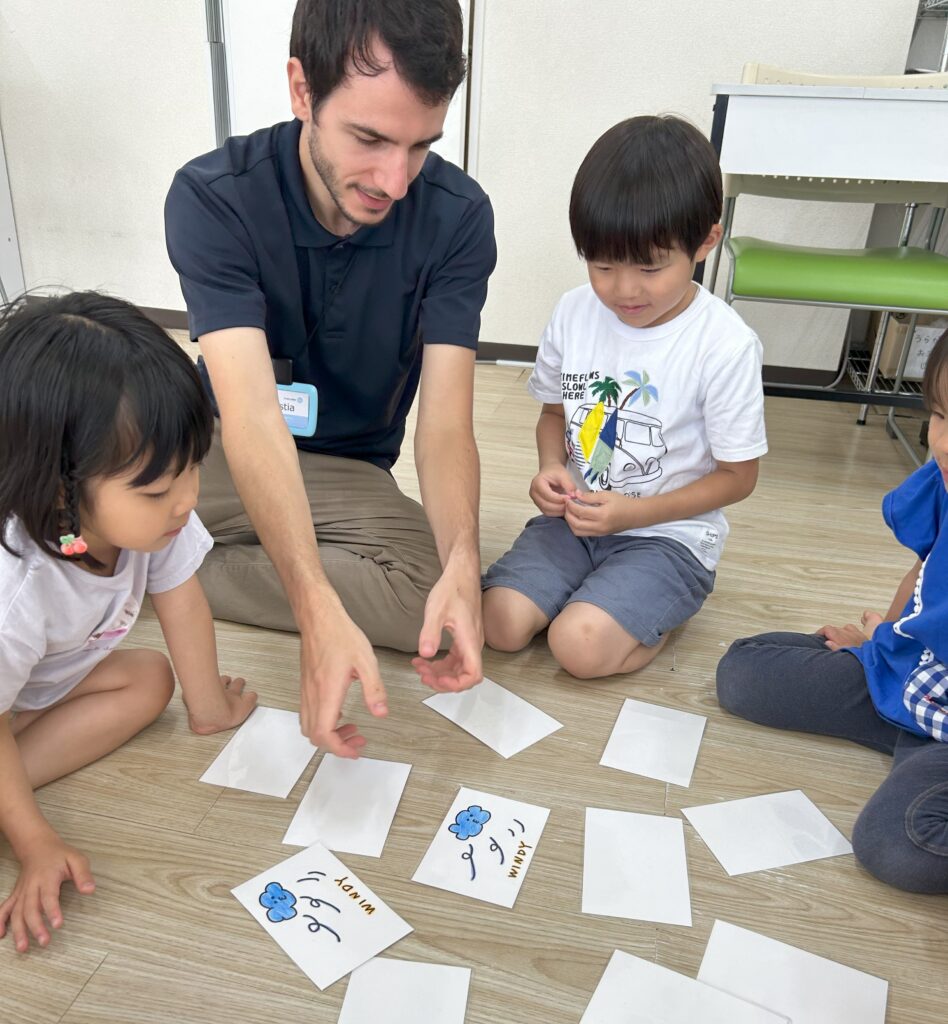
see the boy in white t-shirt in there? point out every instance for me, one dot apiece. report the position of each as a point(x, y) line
point(656, 385)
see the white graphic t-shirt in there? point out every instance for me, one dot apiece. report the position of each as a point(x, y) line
point(57, 621)
point(650, 409)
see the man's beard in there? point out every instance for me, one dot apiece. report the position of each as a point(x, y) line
point(327, 175)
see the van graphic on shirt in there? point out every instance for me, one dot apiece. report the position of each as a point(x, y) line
point(612, 445)
point(637, 447)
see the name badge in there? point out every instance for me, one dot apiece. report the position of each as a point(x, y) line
point(299, 403)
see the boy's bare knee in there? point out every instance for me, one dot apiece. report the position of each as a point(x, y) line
point(573, 642)
point(508, 627)
point(583, 641)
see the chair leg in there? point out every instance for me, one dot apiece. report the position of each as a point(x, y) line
point(906, 231)
point(896, 433)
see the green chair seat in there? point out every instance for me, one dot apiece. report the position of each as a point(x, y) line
point(893, 278)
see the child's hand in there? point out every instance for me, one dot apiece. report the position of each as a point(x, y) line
point(228, 706)
point(43, 869)
point(550, 489)
point(598, 513)
point(838, 637)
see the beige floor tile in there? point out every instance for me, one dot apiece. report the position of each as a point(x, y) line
point(163, 939)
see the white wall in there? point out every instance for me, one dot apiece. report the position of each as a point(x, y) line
point(257, 40)
point(101, 101)
point(558, 73)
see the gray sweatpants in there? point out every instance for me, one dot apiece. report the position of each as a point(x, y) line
point(793, 681)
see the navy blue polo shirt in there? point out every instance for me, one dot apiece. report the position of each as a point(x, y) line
point(353, 313)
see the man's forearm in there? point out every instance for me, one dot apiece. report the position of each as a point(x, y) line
point(449, 475)
point(265, 467)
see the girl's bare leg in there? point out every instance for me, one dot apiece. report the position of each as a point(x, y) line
point(125, 692)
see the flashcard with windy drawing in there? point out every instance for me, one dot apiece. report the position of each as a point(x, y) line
point(320, 914)
point(484, 847)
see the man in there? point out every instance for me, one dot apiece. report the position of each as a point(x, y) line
point(336, 250)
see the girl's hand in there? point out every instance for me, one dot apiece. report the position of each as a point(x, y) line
point(838, 637)
point(226, 708)
point(44, 866)
point(550, 489)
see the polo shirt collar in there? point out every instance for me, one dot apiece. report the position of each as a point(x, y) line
point(306, 229)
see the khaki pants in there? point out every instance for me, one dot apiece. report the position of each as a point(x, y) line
point(375, 544)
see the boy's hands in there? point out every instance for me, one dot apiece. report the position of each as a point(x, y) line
point(838, 637)
point(550, 489)
point(599, 513)
point(221, 707)
point(44, 866)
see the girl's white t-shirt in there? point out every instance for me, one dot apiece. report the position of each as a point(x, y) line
point(57, 621)
point(651, 409)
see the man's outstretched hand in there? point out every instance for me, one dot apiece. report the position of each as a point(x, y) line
point(334, 653)
point(454, 605)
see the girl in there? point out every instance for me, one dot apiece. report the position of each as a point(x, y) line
point(883, 684)
point(103, 425)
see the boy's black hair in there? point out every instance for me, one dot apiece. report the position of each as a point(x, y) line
point(425, 38)
point(646, 186)
point(935, 378)
point(89, 386)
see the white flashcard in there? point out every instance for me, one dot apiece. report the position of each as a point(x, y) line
point(806, 988)
point(319, 913)
point(660, 743)
point(633, 990)
point(634, 866)
point(387, 991)
point(771, 831)
point(349, 805)
point(483, 848)
point(498, 718)
point(267, 754)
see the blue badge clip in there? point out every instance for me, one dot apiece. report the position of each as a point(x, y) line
point(299, 404)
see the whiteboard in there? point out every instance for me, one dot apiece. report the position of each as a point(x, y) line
point(257, 43)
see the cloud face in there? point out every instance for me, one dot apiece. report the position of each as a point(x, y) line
point(280, 902)
point(469, 823)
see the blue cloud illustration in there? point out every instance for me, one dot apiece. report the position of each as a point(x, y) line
point(280, 902)
point(470, 822)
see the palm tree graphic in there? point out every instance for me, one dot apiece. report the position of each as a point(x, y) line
point(607, 390)
point(640, 388)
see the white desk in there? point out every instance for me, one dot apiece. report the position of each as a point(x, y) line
point(832, 132)
point(850, 139)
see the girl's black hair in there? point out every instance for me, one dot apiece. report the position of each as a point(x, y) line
point(935, 379)
point(89, 386)
point(648, 184)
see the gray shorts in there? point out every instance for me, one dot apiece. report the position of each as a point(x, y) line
point(649, 585)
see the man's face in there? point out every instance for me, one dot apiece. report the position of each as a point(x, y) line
point(364, 147)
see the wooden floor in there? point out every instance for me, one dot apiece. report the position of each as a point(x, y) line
point(162, 940)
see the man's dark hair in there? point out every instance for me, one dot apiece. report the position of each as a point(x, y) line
point(646, 186)
point(89, 387)
point(425, 38)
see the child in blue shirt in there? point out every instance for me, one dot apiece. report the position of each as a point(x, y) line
point(883, 684)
